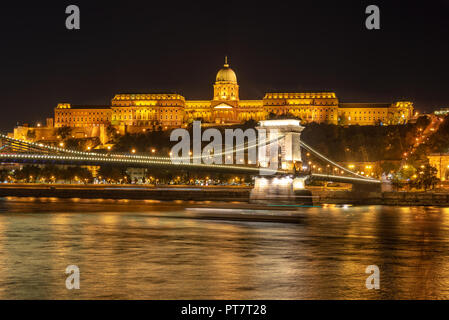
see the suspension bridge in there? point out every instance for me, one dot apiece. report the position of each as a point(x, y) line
point(286, 172)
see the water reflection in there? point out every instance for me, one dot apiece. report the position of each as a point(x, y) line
point(156, 250)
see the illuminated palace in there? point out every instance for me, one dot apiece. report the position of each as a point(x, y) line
point(135, 112)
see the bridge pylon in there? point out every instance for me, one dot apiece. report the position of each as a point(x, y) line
point(285, 136)
point(283, 151)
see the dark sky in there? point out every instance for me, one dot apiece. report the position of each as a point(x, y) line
point(166, 46)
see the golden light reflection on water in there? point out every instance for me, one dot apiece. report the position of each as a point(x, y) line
point(159, 250)
point(3, 271)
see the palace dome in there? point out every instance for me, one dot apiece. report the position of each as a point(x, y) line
point(226, 74)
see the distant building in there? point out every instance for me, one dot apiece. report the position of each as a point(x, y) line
point(375, 113)
point(81, 116)
point(441, 112)
point(134, 112)
point(138, 112)
point(440, 161)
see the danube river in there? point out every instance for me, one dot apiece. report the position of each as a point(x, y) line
point(171, 250)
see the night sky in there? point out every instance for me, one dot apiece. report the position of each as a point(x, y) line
point(168, 46)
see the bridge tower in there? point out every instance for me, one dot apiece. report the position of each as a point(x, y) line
point(282, 151)
point(285, 136)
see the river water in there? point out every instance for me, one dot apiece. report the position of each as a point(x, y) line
point(159, 250)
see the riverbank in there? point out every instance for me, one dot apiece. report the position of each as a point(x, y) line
point(132, 192)
point(430, 198)
point(216, 193)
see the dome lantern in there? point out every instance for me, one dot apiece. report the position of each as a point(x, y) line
point(226, 74)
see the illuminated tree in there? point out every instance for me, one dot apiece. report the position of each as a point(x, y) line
point(31, 134)
point(427, 178)
point(342, 120)
point(64, 132)
point(407, 172)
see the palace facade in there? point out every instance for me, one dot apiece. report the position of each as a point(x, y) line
point(136, 112)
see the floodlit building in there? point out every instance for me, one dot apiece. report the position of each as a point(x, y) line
point(440, 161)
point(134, 112)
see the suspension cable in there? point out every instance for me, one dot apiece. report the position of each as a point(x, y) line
point(241, 147)
point(306, 146)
